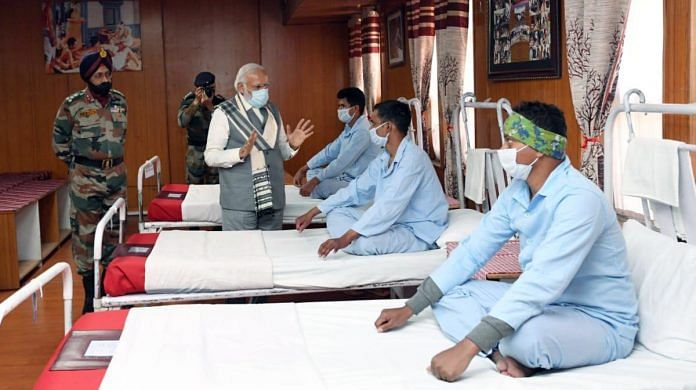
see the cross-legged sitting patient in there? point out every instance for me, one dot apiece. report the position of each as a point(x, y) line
point(574, 304)
point(408, 210)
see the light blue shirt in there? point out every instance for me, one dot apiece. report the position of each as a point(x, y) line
point(407, 192)
point(572, 252)
point(349, 154)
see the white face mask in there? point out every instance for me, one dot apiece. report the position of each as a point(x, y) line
point(508, 159)
point(376, 138)
point(344, 115)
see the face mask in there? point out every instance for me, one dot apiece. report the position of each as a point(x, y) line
point(344, 115)
point(376, 139)
point(259, 98)
point(101, 89)
point(508, 159)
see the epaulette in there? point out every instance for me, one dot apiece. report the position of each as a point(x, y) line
point(118, 93)
point(77, 95)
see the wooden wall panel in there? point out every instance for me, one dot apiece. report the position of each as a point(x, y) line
point(307, 65)
point(18, 137)
point(555, 91)
point(203, 38)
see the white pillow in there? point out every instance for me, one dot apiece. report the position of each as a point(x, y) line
point(664, 274)
point(462, 222)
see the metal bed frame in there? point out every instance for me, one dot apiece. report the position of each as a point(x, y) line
point(110, 303)
point(36, 286)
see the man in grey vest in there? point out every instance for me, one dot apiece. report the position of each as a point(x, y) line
point(247, 143)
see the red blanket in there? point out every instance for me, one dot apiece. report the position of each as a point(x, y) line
point(166, 207)
point(126, 274)
point(80, 379)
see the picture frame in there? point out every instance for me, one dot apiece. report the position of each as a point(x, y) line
point(523, 39)
point(396, 47)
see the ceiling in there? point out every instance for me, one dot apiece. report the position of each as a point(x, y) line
point(322, 11)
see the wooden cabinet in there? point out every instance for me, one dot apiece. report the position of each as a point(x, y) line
point(34, 220)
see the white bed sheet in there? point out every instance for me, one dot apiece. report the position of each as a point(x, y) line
point(202, 204)
point(330, 345)
point(184, 261)
point(297, 265)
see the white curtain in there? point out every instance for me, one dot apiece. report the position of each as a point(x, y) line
point(372, 70)
point(420, 24)
point(595, 32)
point(451, 27)
point(355, 63)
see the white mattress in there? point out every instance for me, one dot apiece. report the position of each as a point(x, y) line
point(297, 265)
point(202, 204)
point(329, 345)
point(208, 261)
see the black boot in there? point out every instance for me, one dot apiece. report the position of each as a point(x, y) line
point(88, 284)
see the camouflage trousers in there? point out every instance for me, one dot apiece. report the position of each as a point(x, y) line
point(197, 172)
point(92, 192)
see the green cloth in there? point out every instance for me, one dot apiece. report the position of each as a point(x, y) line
point(539, 139)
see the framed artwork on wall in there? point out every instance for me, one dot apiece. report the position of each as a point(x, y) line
point(523, 39)
point(395, 38)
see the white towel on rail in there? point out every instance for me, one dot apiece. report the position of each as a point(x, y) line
point(652, 170)
point(474, 183)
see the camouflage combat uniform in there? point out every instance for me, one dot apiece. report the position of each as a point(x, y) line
point(196, 120)
point(90, 139)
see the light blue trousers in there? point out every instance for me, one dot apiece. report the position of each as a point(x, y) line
point(397, 239)
point(559, 337)
point(327, 187)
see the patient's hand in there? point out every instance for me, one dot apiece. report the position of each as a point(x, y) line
point(299, 176)
point(303, 221)
point(335, 244)
point(308, 187)
point(451, 363)
point(451, 246)
point(393, 318)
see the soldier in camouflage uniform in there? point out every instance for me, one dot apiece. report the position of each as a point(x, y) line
point(195, 112)
point(89, 134)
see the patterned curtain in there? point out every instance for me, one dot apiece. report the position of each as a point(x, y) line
point(372, 71)
point(355, 63)
point(420, 24)
point(451, 24)
point(595, 32)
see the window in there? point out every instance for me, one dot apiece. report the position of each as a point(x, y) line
point(641, 67)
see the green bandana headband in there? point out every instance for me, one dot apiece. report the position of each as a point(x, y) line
point(541, 140)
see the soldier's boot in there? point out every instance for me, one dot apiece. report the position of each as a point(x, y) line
point(88, 284)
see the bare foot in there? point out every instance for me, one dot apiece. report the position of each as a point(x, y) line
point(510, 367)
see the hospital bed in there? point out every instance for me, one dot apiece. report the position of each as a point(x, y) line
point(674, 222)
point(180, 206)
point(333, 345)
point(292, 265)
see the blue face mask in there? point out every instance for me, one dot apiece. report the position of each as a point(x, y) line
point(259, 98)
point(376, 138)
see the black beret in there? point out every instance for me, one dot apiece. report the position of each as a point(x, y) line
point(204, 79)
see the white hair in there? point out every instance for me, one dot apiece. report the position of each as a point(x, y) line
point(245, 70)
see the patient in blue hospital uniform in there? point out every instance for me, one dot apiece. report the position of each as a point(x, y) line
point(574, 304)
point(408, 210)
